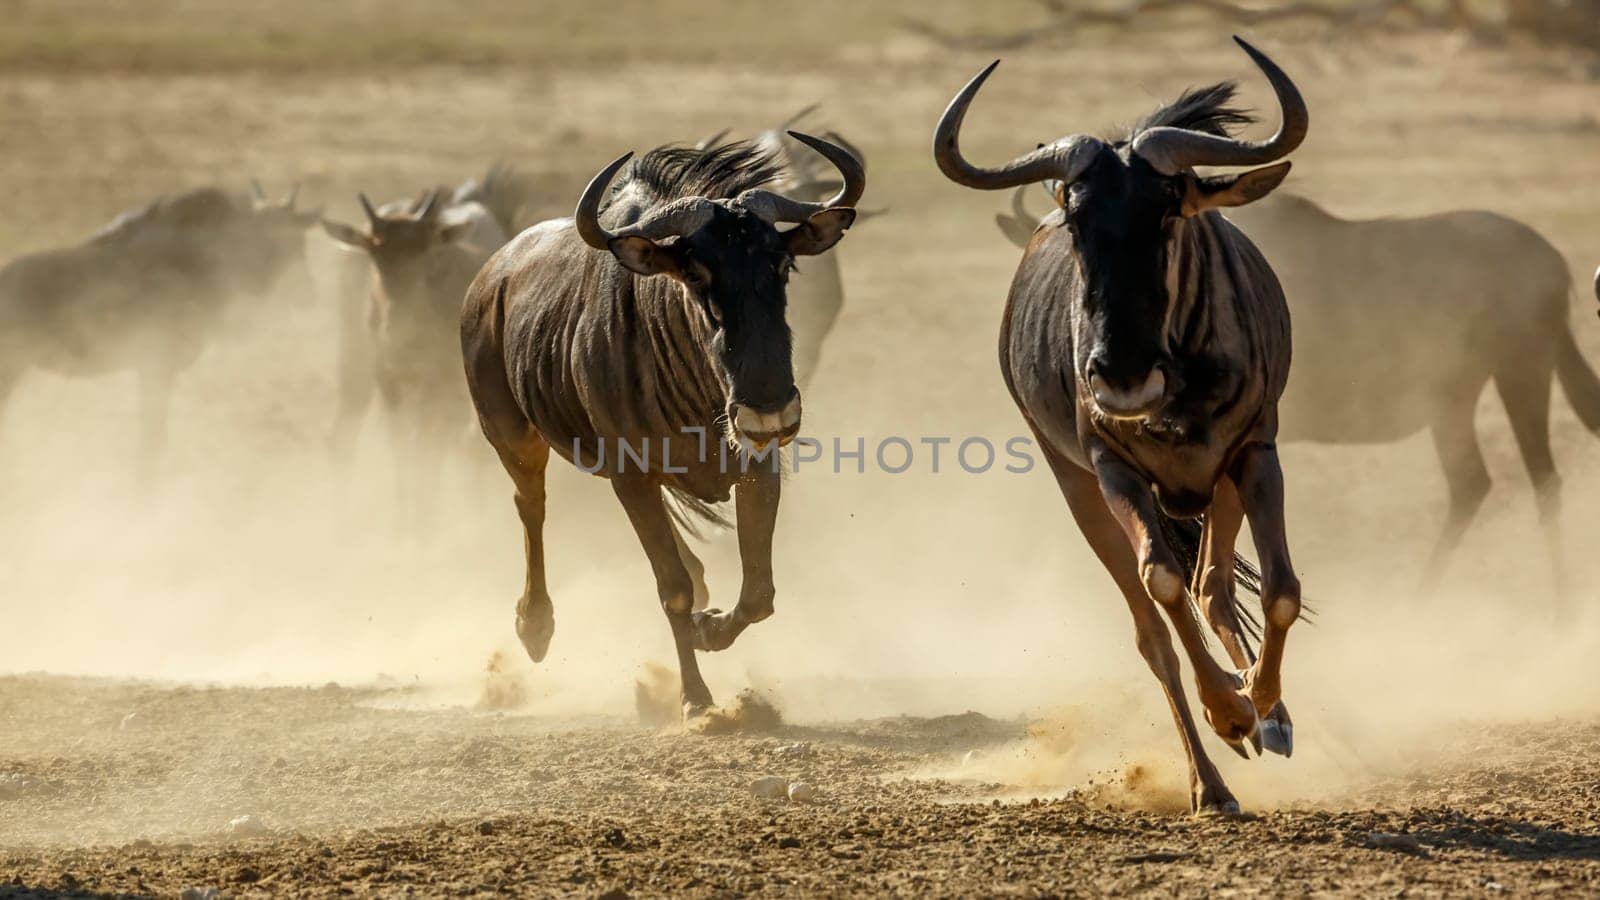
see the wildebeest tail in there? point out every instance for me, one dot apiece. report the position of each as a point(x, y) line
point(1183, 536)
point(693, 514)
point(1578, 379)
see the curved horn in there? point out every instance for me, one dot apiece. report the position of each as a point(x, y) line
point(587, 216)
point(372, 214)
point(1171, 150)
point(775, 207)
point(1065, 159)
point(256, 189)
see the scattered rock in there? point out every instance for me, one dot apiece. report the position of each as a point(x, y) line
point(199, 893)
point(770, 787)
point(799, 750)
point(246, 875)
point(246, 826)
point(800, 792)
point(615, 893)
point(1399, 843)
point(788, 842)
point(486, 828)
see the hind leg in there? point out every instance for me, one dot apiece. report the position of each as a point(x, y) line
point(647, 511)
point(526, 460)
point(697, 569)
point(1455, 440)
point(1260, 480)
point(1207, 792)
point(1133, 506)
point(1526, 396)
point(1214, 586)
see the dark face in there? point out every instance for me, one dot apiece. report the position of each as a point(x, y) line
point(738, 267)
point(1122, 216)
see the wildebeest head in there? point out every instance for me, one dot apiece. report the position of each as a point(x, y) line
point(275, 231)
point(732, 260)
point(396, 240)
point(1124, 204)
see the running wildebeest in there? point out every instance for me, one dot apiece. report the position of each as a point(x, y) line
point(616, 342)
point(423, 258)
point(1146, 342)
point(497, 204)
point(147, 292)
point(1413, 317)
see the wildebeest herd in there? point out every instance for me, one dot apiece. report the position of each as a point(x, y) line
point(657, 339)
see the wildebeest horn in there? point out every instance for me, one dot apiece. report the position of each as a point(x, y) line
point(680, 217)
point(294, 191)
point(776, 207)
point(256, 189)
point(1171, 150)
point(372, 214)
point(1065, 159)
point(430, 203)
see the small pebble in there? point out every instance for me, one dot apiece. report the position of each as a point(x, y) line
point(800, 792)
point(769, 787)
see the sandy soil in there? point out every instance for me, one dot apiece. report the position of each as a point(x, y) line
point(352, 794)
point(1450, 743)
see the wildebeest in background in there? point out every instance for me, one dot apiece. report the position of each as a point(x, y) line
point(423, 256)
point(349, 283)
point(145, 293)
point(816, 293)
point(1410, 318)
point(638, 332)
point(1146, 342)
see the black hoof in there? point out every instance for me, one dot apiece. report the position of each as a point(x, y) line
point(714, 630)
point(1277, 732)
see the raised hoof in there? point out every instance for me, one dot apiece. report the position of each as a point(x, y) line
point(714, 630)
point(1277, 737)
point(535, 627)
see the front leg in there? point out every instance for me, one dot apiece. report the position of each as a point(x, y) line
point(756, 511)
point(1133, 505)
point(1260, 480)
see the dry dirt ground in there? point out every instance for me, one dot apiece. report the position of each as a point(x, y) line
point(353, 795)
point(239, 571)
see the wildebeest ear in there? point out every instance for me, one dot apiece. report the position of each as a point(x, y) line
point(1232, 190)
point(644, 256)
point(347, 237)
point(820, 231)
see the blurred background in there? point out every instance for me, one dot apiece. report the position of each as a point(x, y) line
point(255, 555)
